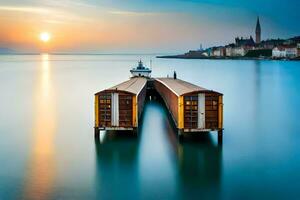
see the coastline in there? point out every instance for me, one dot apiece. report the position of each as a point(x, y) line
point(225, 58)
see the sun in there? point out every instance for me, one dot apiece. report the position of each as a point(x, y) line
point(45, 36)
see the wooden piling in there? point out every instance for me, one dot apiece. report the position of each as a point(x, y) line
point(220, 137)
point(97, 133)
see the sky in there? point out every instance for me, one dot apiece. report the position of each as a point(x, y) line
point(140, 26)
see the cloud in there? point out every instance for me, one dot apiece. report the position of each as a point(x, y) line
point(54, 22)
point(57, 16)
point(68, 3)
point(131, 13)
point(26, 9)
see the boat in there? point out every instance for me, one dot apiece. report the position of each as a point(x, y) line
point(140, 70)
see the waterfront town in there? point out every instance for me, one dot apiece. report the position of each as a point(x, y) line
point(243, 48)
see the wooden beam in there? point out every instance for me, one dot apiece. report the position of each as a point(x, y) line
point(96, 111)
point(220, 112)
point(180, 113)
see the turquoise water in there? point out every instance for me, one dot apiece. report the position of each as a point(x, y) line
point(48, 151)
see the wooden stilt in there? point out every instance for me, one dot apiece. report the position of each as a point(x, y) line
point(97, 133)
point(220, 137)
point(180, 134)
point(135, 132)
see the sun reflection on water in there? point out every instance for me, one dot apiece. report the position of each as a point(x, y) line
point(45, 76)
point(39, 180)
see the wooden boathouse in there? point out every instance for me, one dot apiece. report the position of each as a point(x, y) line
point(120, 107)
point(192, 108)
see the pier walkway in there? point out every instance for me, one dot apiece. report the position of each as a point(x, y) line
point(192, 108)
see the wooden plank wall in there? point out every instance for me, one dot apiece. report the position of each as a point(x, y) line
point(170, 99)
point(141, 101)
point(125, 110)
point(211, 111)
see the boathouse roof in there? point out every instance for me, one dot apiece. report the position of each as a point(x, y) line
point(133, 85)
point(180, 87)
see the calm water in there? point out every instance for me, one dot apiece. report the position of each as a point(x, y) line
point(48, 151)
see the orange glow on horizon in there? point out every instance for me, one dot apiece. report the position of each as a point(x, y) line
point(59, 31)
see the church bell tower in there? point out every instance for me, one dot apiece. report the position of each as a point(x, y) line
point(258, 32)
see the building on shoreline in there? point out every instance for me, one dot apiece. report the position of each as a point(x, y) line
point(247, 47)
point(278, 52)
point(229, 49)
point(291, 51)
point(286, 51)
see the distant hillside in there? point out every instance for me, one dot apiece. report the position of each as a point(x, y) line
point(295, 39)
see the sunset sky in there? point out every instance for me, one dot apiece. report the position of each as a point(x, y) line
point(145, 26)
